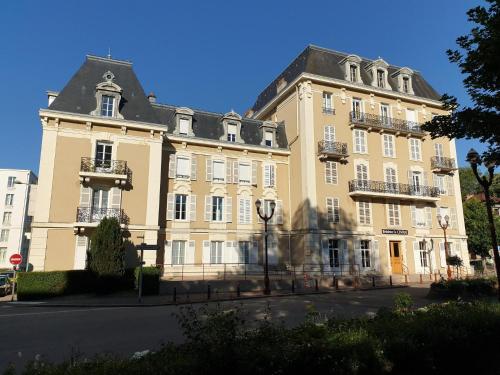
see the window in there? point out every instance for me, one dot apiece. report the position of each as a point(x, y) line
point(268, 138)
point(380, 78)
point(331, 172)
point(384, 114)
point(440, 183)
point(219, 171)
point(3, 254)
point(422, 254)
point(327, 103)
point(406, 85)
point(391, 179)
point(364, 213)
point(421, 216)
point(438, 150)
point(107, 104)
point(365, 253)
point(269, 175)
point(332, 210)
point(11, 180)
point(178, 252)
point(183, 126)
point(388, 140)
point(334, 253)
point(245, 173)
point(4, 235)
point(180, 206)
point(329, 133)
point(416, 182)
point(100, 199)
point(245, 211)
point(393, 213)
point(231, 132)
point(217, 208)
point(415, 153)
point(452, 214)
point(268, 210)
point(356, 109)
point(9, 200)
point(7, 216)
point(361, 176)
point(353, 73)
point(183, 168)
point(360, 141)
point(216, 252)
point(244, 252)
point(103, 152)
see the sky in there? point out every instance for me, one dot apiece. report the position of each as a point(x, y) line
point(213, 55)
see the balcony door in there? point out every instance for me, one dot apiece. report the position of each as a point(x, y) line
point(357, 112)
point(103, 156)
point(384, 114)
point(362, 176)
point(411, 118)
point(100, 204)
point(416, 182)
point(391, 179)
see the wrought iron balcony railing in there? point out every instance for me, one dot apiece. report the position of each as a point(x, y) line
point(328, 110)
point(393, 188)
point(95, 214)
point(443, 163)
point(103, 166)
point(384, 122)
point(332, 148)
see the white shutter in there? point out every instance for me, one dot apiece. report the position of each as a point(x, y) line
point(229, 209)
point(206, 252)
point(413, 211)
point(168, 253)
point(231, 255)
point(254, 173)
point(442, 255)
point(428, 217)
point(336, 210)
point(410, 177)
point(325, 252)
point(248, 209)
point(329, 210)
point(254, 253)
point(116, 198)
point(229, 167)
point(453, 218)
point(208, 208)
point(433, 260)
point(192, 208)
point(267, 175)
point(241, 211)
point(334, 172)
point(375, 255)
point(85, 195)
point(209, 169)
point(193, 167)
point(273, 175)
point(425, 177)
point(416, 257)
point(80, 253)
point(344, 253)
point(357, 253)
point(170, 206)
point(171, 166)
point(328, 173)
point(329, 133)
point(279, 212)
point(450, 188)
point(189, 257)
point(235, 171)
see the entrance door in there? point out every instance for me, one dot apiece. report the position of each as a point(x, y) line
point(396, 261)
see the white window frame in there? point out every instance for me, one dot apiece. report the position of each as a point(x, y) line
point(240, 174)
point(186, 204)
point(357, 114)
point(415, 148)
point(219, 179)
point(216, 252)
point(332, 210)
point(334, 252)
point(393, 214)
point(269, 175)
point(269, 142)
point(360, 141)
point(9, 200)
point(217, 214)
point(244, 210)
point(365, 251)
point(105, 111)
point(179, 253)
point(327, 102)
point(11, 182)
point(385, 117)
point(364, 212)
point(331, 172)
point(232, 135)
point(178, 174)
point(388, 145)
point(184, 126)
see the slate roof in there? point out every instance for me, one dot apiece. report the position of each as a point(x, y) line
point(78, 96)
point(325, 62)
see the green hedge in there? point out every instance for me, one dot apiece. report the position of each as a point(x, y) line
point(150, 280)
point(464, 288)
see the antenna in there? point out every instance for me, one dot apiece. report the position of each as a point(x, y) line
point(109, 53)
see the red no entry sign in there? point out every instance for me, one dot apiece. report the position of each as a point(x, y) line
point(15, 259)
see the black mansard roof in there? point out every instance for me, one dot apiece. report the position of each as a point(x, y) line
point(78, 96)
point(326, 63)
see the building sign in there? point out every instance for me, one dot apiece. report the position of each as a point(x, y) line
point(400, 232)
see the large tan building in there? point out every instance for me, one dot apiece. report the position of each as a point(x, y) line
point(334, 141)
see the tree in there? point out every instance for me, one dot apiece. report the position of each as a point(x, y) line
point(107, 252)
point(479, 60)
point(477, 227)
point(468, 183)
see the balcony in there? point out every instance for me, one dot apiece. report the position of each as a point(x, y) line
point(91, 216)
point(333, 150)
point(328, 111)
point(384, 123)
point(393, 190)
point(442, 164)
point(91, 168)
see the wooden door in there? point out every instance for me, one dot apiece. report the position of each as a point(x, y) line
point(396, 259)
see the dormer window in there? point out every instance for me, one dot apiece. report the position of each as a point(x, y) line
point(406, 85)
point(184, 126)
point(268, 140)
point(108, 96)
point(268, 134)
point(404, 79)
point(107, 105)
point(380, 78)
point(378, 70)
point(231, 122)
point(183, 122)
point(231, 132)
point(353, 69)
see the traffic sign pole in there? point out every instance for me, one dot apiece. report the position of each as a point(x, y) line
point(15, 260)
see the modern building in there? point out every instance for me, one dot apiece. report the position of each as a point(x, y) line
point(17, 190)
point(334, 141)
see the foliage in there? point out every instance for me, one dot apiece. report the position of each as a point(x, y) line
point(478, 59)
point(106, 257)
point(468, 182)
point(463, 288)
point(150, 280)
point(455, 261)
point(403, 302)
point(427, 340)
point(477, 227)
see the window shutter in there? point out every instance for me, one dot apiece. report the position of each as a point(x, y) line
point(171, 166)
point(267, 175)
point(329, 133)
point(235, 171)
point(279, 212)
point(254, 173)
point(329, 210)
point(273, 175)
point(413, 211)
point(85, 195)
point(450, 187)
point(428, 217)
point(192, 211)
point(208, 208)
point(189, 259)
point(209, 169)
point(325, 252)
point(170, 206)
point(206, 252)
point(193, 167)
point(442, 255)
point(375, 255)
point(241, 211)
point(453, 218)
point(80, 253)
point(334, 173)
point(229, 166)
point(357, 253)
point(116, 198)
point(344, 254)
point(328, 173)
point(229, 209)
point(168, 253)
point(416, 257)
point(254, 253)
point(336, 210)
point(410, 180)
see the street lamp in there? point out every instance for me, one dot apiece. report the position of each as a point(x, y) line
point(445, 226)
point(266, 218)
point(475, 160)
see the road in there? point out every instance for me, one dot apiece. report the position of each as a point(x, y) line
point(55, 332)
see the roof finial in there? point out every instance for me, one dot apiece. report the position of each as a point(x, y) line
point(109, 52)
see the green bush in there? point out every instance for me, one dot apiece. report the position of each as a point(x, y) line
point(106, 257)
point(150, 280)
point(463, 288)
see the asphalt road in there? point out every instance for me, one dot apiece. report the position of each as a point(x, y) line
point(55, 333)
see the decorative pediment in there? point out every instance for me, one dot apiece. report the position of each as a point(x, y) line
point(108, 84)
point(232, 115)
point(108, 96)
point(352, 59)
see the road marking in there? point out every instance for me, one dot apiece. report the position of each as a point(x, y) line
point(63, 311)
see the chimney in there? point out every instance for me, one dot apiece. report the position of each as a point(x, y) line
point(152, 97)
point(249, 113)
point(51, 95)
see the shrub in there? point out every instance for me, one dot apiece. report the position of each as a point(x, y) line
point(464, 288)
point(150, 280)
point(403, 302)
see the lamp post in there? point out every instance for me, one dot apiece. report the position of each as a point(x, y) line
point(266, 218)
point(444, 226)
point(475, 160)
